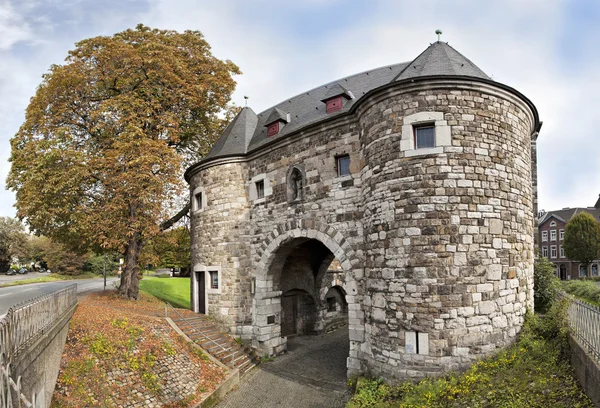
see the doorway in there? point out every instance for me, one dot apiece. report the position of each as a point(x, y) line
point(200, 278)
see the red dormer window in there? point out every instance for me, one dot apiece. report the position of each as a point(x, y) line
point(273, 129)
point(334, 104)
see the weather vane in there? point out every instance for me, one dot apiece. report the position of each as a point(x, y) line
point(246, 100)
point(439, 33)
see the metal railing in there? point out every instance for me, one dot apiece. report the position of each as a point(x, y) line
point(584, 321)
point(168, 307)
point(22, 324)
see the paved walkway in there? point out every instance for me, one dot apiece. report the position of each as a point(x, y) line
point(312, 374)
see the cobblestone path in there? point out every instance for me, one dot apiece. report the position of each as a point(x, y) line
point(311, 374)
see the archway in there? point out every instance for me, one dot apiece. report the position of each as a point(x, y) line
point(306, 282)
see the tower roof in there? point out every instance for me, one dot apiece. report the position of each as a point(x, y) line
point(237, 135)
point(440, 59)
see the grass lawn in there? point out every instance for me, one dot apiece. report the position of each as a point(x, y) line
point(176, 291)
point(586, 290)
point(534, 372)
point(53, 277)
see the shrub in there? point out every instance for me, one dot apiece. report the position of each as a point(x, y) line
point(545, 284)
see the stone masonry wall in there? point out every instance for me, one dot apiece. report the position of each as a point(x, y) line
point(449, 237)
point(220, 238)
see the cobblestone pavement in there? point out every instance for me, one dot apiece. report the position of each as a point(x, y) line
point(311, 374)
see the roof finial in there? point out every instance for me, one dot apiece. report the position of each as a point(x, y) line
point(439, 33)
point(246, 100)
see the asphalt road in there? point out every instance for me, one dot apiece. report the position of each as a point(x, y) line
point(16, 294)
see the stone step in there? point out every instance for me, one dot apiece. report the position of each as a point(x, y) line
point(218, 343)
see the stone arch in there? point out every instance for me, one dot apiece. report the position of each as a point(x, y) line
point(266, 298)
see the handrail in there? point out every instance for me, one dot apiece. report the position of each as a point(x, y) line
point(200, 332)
point(584, 320)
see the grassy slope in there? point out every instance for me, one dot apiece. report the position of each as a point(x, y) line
point(586, 290)
point(176, 291)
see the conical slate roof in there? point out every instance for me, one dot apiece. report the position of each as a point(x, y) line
point(236, 137)
point(441, 59)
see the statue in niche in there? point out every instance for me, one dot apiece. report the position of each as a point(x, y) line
point(296, 184)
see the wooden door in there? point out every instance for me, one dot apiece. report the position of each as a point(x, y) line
point(201, 292)
point(288, 315)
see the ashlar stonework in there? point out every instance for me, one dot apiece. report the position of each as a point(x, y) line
point(425, 253)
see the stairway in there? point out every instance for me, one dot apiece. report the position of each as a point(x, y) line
point(217, 342)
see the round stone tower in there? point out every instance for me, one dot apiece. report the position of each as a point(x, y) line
point(447, 183)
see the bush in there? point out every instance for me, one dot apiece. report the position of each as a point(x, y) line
point(545, 284)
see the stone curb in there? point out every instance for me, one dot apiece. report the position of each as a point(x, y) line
point(232, 379)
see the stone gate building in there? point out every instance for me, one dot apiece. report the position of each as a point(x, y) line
point(399, 200)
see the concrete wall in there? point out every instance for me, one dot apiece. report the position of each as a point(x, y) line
point(586, 370)
point(38, 363)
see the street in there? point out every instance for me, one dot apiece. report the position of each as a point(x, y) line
point(16, 294)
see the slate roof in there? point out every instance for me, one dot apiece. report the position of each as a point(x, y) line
point(275, 115)
point(566, 214)
point(440, 59)
point(247, 131)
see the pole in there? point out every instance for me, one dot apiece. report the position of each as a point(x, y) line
point(105, 271)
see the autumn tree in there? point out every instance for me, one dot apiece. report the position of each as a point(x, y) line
point(170, 249)
point(13, 242)
point(582, 238)
point(98, 161)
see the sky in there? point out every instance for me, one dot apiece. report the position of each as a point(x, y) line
point(543, 48)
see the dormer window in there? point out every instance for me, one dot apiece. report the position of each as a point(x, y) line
point(273, 129)
point(333, 104)
point(334, 97)
point(276, 120)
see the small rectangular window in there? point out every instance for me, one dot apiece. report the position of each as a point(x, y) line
point(198, 200)
point(553, 235)
point(561, 234)
point(273, 129)
point(545, 252)
point(582, 271)
point(343, 165)
point(562, 252)
point(544, 236)
point(214, 279)
point(260, 189)
point(595, 270)
point(424, 136)
point(334, 104)
point(553, 251)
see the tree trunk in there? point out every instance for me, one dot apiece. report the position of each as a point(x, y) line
point(130, 288)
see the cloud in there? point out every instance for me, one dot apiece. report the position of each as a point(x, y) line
point(12, 27)
point(283, 48)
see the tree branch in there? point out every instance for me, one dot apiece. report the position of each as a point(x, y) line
point(169, 223)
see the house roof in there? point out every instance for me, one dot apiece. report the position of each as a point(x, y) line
point(566, 214)
point(248, 130)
